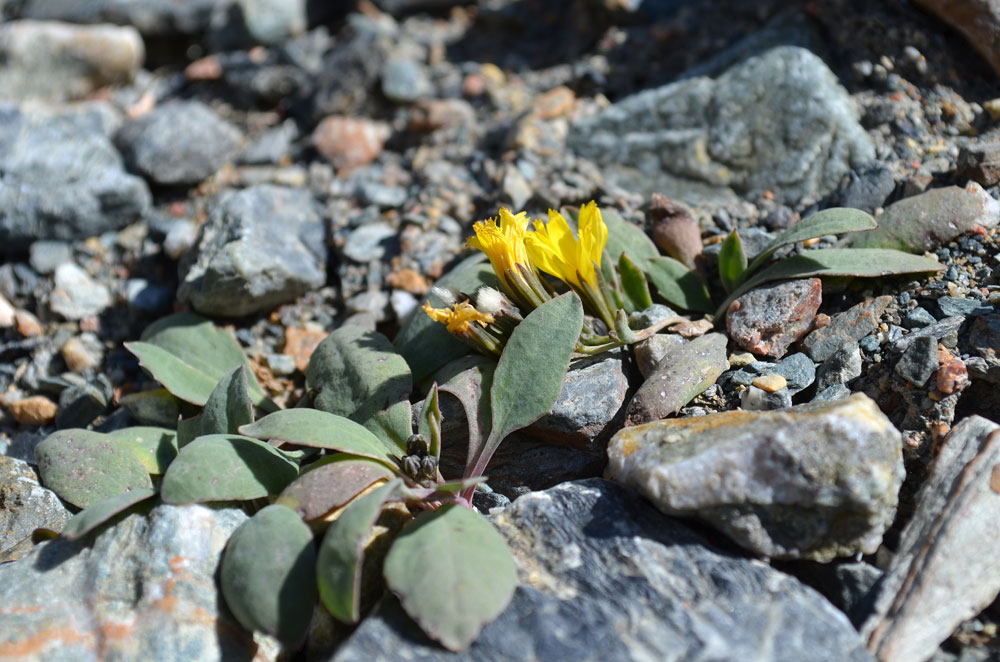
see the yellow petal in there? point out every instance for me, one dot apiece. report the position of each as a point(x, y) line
point(593, 238)
point(553, 248)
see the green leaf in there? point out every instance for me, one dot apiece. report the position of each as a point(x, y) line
point(732, 261)
point(226, 467)
point(624, 236)
point(156, 447)
point(678, 285)
point(470, 380)
point(330, 483)
point(189, 355)
point(357, 374)
point(861, 262)
point(318, 429)
point(341, 554)
point(97, 514)
point(836, 220)
point(229, 406)
point(268, 574)
point(425, 344)
point(156, 407)
point(634, 285)
point(86, 467)
point(453, 574)
point(430, 421)
point(530, 372)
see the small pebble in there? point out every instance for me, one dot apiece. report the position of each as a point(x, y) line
point(8, 316)
point(82, 352)
point(36, 410)
point(770, 383)
point(27, 324)
point(281, 365)
point(740, 360)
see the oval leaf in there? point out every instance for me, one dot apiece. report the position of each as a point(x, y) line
point(634, 285)
point(836, 220)
point(229, 405)
point(268, 574)
point(678, 285)
point(732, 261)
point(90, 518)
point(341, 555)
point(470, 380)
point(86, 467)
point(189, 355)
point(226, 467)
point(155, 407)
point(357, 374)
point(319, 429)
point(452, 572)
point(331, 483)
point(156, 447)
point(624, 236)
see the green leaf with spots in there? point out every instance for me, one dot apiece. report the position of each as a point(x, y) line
point(156, 447)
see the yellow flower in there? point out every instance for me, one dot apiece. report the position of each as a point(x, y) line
point(458, 317)
point(503, 243)
point(553, 248)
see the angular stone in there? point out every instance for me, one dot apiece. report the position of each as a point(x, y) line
point(798, 370)
point(347, 142)
point(180, 142)
point(919, 361)
point(143, 589)
point(261, 247)
point(603, 576)
point(847, 327)
point(76, 294)
point(843, 367)
point(150, 17)
point(25, 505)
point(693, 368)
point(980, 161)
point(768, 319)
point(927, 221)
point(654, 349)
point(947, 566)
point(75, 60)
point(778, 121)
point(812, 481)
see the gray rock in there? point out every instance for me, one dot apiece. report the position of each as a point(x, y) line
point(25, 505)
point(45, 256)
point(695, 366)
point(918, 361)
point(797, 369)
point(868, 187)
point(984, 338)
point(778, 121)
point(403, 304)
point(56, 62)
point(757, 399)
point(80, 404)
point(592, 396)
point(61, 178)
point(370, 302)
point(148, 297)
point(812, 481)
point(382, 195)
point(180, 142)
point(654, 349)
point(261, 247)
point(653, 315)
point(947, 565)
point(605, 577)
point(832, 393)
point(76, 294)
point(404, 80)
point(273, 21)
point(150, 17)
point(367, 242)
point(143, 589)
point(181, 236)
point(927, 221)
point(844, 328)
point(768, 319)
point(953, 306)
point(272, 145)
point(843, 367)
point(918, 317)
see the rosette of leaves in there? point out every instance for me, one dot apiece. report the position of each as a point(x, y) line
point(346, 498)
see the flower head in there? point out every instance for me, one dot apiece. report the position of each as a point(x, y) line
point(458, 317)
point(553, 248)
point(502, 242)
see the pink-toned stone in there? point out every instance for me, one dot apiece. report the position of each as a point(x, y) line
point(768, 319)
point(348, 142)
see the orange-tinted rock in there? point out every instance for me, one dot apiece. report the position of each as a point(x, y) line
point(952, 376)
point(555, 102)
point(409, 281)
point(36, 410)
point(768, 319)
point(300, 344)
point(348, 142)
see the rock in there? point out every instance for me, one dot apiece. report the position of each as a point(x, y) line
point(25, 505)
point(768, 319)
point(798, 370)
point(605, 577)
point(367, 242)
point(27, 324)
point(60, 178)
point(812, 481)
point(272, 146)
point(150, 17)
point(675, 230)
point(918, 317)
point(977, 20)
point(369, 302)
point(261, 247)
point(180, 142)
point(947, 565)
point(944, 331)
point(654, 349)
point(142, 589)
point(301, 343)
point(694, 367)
point(927, 221)
point(758, 399)
point(76, 294)
point(832, 393)
point(980, 162)
point(181, 236)
point(592, 396)
point(403, 304)
point(770, 382)
point(374, 193)
point(46, 256)
point(82, 352)
point(76, 60)
point(8, 316)
point(843, 367)
point(847, 327)
point(918, 361)
point(80, 404)
point(273, 22)
point(778, 121)
point(33, 410)
point(868, 187)
point(429, 115)
point(952, 306)
point(148, 297)
point(404, 80)
point(984, 338)
point(347, 142)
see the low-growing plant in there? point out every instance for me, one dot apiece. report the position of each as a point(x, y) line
point(342, 484)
